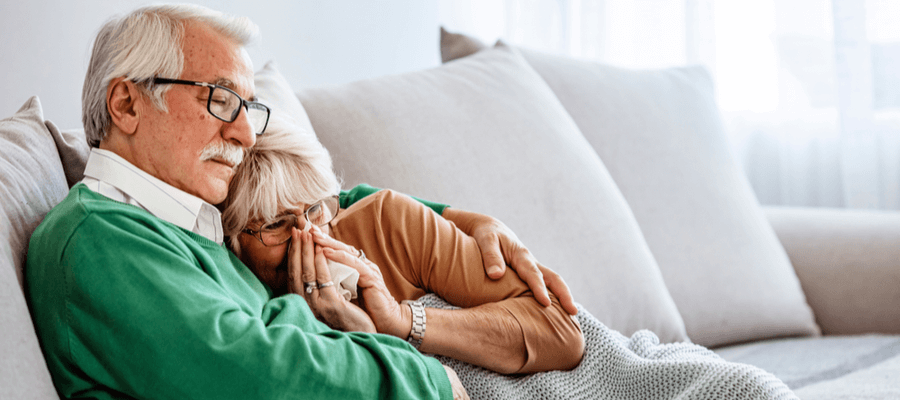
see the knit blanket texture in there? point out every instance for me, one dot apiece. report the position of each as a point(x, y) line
point(622, 368)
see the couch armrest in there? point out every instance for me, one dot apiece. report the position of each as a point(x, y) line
point(848, 262)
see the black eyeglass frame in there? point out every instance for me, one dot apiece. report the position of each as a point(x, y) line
point(244, 103)
point(258, 233)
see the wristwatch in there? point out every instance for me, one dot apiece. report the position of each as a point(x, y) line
point(417, 333)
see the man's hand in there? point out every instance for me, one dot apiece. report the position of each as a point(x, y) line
point(500, 245)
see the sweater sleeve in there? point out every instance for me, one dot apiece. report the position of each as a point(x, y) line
point(348, 198)
point(142, 311)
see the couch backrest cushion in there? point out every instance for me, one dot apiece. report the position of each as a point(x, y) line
point(848, 262)
point(486, 134)
point(660, 136)
point(31, 182)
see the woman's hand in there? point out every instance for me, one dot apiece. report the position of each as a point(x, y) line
point(309, 277)
point(389, 316)
point(500, 245)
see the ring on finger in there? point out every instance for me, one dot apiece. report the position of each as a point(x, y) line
point(362, 255)
point(310, 286)
point(325, 285)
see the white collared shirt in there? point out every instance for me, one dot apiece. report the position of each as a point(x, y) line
point(112, 176)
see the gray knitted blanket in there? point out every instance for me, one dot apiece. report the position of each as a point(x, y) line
point(618, 367)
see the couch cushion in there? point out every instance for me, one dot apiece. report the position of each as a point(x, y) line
point(31, 182)
point(803, 362)
point(660, 136)
point(486, 134)
point(876, 382)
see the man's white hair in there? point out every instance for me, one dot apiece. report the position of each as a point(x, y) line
point(287, 167)
point(141, 45)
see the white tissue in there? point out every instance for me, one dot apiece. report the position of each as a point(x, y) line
point(343, 276)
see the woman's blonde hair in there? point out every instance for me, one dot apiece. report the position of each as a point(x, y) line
point(287, 167)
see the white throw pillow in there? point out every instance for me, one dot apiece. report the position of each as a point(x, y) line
point(486, 134)
point(273, 90)
point(660, 136)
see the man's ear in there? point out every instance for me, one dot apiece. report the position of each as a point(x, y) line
point(123, 103)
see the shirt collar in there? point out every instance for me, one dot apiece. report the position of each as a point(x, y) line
point(157, 197)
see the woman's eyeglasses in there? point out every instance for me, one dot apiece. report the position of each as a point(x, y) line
point(276, 232)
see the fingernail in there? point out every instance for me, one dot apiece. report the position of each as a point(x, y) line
point(494, 269)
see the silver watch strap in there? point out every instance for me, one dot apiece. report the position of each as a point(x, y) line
point(417, 333)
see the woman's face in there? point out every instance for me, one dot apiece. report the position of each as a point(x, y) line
point(269, 263)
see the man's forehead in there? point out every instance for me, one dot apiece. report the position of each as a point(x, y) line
point(225, 82)
point(210, 56)
point(222, 81)
point(246, 90)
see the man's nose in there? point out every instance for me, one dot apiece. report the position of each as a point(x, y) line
point(240, 130)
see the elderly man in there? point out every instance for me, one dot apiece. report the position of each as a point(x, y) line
point(132, 292)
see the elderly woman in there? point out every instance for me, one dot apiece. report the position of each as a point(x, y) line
point(401, 249)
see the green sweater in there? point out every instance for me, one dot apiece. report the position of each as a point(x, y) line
point(127, 305)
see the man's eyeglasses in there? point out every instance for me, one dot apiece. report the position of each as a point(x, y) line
point(224, 104)
point(279, 231)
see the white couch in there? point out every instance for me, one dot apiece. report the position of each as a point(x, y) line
point(620, 180)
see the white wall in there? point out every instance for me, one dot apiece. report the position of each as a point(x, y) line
point(45, 44)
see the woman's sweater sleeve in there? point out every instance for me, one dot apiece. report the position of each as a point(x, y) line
point(350, 197)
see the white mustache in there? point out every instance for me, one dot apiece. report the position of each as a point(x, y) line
point(224, 151)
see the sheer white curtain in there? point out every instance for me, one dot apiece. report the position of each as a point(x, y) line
point(809, 89)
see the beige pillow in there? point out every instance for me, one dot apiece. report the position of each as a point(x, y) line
point(455, 45)
point(486, 134)
point(73, 151)
point(31, 182)
point(659, 134)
